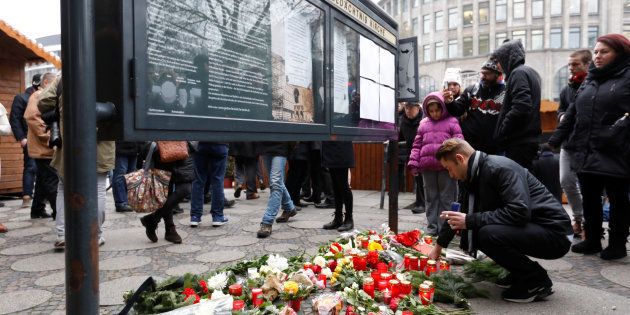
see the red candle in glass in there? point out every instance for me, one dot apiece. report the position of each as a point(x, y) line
point(405, 287)
point(428, 239)
point(406, 261)
point(393, 304)
point(295, 304)
point(387, 296)
point(323, 278)
point(308, 265)
point(235, 290)
point(407, 313)
point(394, 287)
point(431, 267)
point(423, 262)
point(376, 275)
point(432, 288)
point(386, 276)
point(424, 293)
point(382, 285)
point(238, 305)
point(368, 286)
point(444, 265)
point(413, 263)
point(381, 267)
point(257, 296)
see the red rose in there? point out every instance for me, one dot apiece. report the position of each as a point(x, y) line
point(188, 292)
point(204, 286)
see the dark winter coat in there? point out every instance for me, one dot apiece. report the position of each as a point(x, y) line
point(567, 96)
point(547, 170)
point(182, 171)
point(337, 154)
point(407, 132)
point(603, 98)
point(243, 149)
point(301, 151)
point(519, 119)
point(482, 105)
point(16, 117)
point(275, 148)
point(128, 148)
point(505, 193)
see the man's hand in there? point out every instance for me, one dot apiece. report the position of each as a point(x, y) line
point(456, 220)
point(23, 142)
point(435, 252)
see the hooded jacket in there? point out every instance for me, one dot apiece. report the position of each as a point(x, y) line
point(505, 193)
point(407, 133)
point(431, 134)
point(519, 119)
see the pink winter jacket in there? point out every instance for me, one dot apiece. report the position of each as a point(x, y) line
point(431, 133)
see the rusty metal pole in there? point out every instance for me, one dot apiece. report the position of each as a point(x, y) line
point(393, 184)
point(79, 147)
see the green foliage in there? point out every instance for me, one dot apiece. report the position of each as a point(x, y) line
point(347, 277)
point(449, 287)
point(240, 268)
point(410, 303)
point(361, 301)
point(486, 270)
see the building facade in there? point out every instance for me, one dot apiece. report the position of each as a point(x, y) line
point(462, 33)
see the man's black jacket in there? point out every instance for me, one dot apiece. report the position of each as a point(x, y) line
point(505, 193)
point(408, 132)
point(16, 118)
point(519, 120)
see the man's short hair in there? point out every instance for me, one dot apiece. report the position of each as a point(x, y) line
point(48, 76)
point(584, 55)
point(453, 146)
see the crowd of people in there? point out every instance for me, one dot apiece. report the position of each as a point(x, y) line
point(480, 171)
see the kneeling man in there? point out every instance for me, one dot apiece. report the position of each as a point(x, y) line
point(508, 214)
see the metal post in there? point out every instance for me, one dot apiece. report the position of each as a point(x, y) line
point(79, 147)
point(393, 185)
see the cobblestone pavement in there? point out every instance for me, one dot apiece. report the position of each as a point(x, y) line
point(32, 273)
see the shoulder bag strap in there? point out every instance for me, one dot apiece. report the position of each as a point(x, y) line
point(148, 160)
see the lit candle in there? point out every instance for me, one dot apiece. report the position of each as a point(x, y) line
point(235, 289)
point(407, 313)
point(444, 265)
point(405, 287)
point(394, 287)
point(431, 286)
point(387, 296)
point(428, 239)
point(406, 261)
point(295, 305)
point(386, 276)
point(368, 286)
point(424, 293)
point(376, 275)
point(431, 267)
point(257, 298)
point(365, 242)
point(308, 265)
point(413, 263)
point(238, 305)
point(423, 262)
point(382, 285)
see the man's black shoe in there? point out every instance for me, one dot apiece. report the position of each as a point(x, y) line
point(228, 203)
point(124, 208)
point(587, 247)
point(613, 252)
point(520, 294)
point(505, 282)
point(42, 215)
point(237, 192)
point(1, 204)
point(312, 199)
point(327, 204)
point(417, 210)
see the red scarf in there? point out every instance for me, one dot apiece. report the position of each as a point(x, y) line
point(577, 78)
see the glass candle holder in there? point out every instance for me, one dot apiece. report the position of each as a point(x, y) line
point(406, 261)
point(431, 267)
point(444, 265)
point(423, 262)
point(424, 294)
point(235, 290)
point(413, 263)
point(428, 239)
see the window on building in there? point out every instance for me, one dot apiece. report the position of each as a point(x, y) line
point(395, 8)
point(416, 3)
point(439, 50)
point(626, 30)
point(469, 77)
point(414, 26)
point(453, 18)
point(537, 40)
point(468, 14)
point(593, 6)
point(427, 53)
point(574, 37)
point(522, 35)
point(484, 44)
point(483, 12)
point(501, 10)
point(500, 37)
point(574, 7)
point(555, 38)
point(468, 46)
point(439, 20)
point(427, 85)
point(452, 48)
point(593, 33)
point(556, 7)
point(426, 23)
point(560, 81)
point(519, 9)
point(405, 6)
point(538, 8)
point(626, 6)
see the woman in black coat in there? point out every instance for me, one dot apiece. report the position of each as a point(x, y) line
point(600, 163)
point(182, 174)
point(338, 157)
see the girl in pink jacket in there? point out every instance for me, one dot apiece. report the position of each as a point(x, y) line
point(439, 189)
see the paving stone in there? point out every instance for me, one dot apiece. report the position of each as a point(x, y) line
point(28, 231)
point(50, 238)
point(2, 240)
point(237, 241)
point(257, 219)
point(211, 232)
point(44, 262)
point(312, 251)
point(5, 209)
point(190, 268)
point(114, 216)
point(23, 218)
point(285, 235)
point(618, 274)
point(220, 256)
point(23, 211)
point(25, 249)
point(124, 262)
point(26, 299)
point(283, 247)
point(322, 238)
point(554, 265)
point(183, 249)
point(133, 239)
point(54, 279)
point(307, 224)
point(253, 228)
point(3, 215)
point(568, 298)
point(17, 225)
point(111, 292)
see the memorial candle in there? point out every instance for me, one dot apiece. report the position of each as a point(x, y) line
point(308, 265)
point(423, 262)
point(235, 290)
point(406, 261)
point(238, 305)
point(431, 267)
point(376, 275)
point(444, 265)
point(424, 293)
point(431, 286)
point(368, 286)
point(387, 296)
point(360, 262)
point(428, 239)
point(257, 296)
point(413, 263)
point(405, 287)
point(382, 285)
point(394, 288)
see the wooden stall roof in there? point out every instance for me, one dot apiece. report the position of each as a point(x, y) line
point(22, 46)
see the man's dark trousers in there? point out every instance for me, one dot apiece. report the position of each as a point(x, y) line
point(29, 173)
point(45, 187)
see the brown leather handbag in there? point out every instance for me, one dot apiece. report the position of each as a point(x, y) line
point(171, 151)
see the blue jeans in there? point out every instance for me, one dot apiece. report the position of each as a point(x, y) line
point(29, 173)
point(279, 194)
point(210, 162)
point(124, 164)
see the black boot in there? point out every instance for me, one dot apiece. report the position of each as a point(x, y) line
point(616, 247)
point(171, 235)
point(335, 223)
point(348, 223)
point(150, 225)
